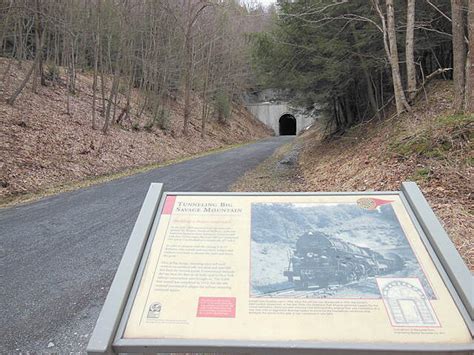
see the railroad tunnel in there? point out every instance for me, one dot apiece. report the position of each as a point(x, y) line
point(287, 125)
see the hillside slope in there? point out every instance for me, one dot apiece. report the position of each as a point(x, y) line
point(430, 146)
point(42, 146)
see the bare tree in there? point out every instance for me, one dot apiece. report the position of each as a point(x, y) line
point(470, 66)
point(158, 47)
point(409, 49)
point(192, 13)
point(459, 55)
point(391, 48)
point(38, 32)
point(400, 99)
point(96, 36)
point(205, 106)
point(13, 97)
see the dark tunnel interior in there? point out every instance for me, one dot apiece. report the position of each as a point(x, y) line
point(287, 125)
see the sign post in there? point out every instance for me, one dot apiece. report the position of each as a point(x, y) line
point(288, 273)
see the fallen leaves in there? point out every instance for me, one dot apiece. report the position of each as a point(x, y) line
point(41, 146)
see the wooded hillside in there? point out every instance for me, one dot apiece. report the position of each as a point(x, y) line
point(93, 87)
point(43, 147)
point(356, 58)
point(159, 47)
point(431, 145)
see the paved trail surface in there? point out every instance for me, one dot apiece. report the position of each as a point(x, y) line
point(58, 256)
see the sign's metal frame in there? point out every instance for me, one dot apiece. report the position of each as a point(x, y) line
point(107, 336)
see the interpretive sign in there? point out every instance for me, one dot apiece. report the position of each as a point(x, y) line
point(289, 272)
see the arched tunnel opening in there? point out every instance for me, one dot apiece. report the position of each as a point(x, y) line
point(287, 125)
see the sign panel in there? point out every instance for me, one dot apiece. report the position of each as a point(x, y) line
point(320, 268)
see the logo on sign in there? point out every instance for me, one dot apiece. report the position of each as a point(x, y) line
point(154, 310)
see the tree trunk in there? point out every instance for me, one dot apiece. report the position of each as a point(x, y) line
point(370, 86)
point(21, 43)
point(400, 99)
point(96, 65)
point(340, 115)
point(102, 89)
point(40, 27)
point(94, 83)
point(13, 97)
point(115, 101)
point(371, 90)
point(34, 84)
point(5, 81)
point(129, 98)
point(459, 55)
point(72, 68)
point(187, 79)
point(192, 13)
point(113, 90)
point(68, 83)
point(410, 54)
point(204, 92)
point(470, 70)
point(349, 115)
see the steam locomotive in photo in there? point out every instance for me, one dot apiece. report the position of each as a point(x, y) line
point(320, 260)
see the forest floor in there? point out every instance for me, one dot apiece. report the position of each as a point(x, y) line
point(44, 149)
point(430, 146)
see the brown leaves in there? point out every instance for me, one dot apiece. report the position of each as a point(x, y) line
point(41, 146)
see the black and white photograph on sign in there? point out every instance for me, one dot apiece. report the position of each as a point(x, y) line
point(328, 250)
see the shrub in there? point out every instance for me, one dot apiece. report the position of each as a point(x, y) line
point(52, 73)
point(222, 106)
point(136, 126)
point(422, 174)
point(161, 118)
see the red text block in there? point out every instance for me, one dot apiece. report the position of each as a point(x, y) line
point(216, 307)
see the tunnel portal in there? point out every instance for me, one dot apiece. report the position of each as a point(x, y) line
point(287, 125)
